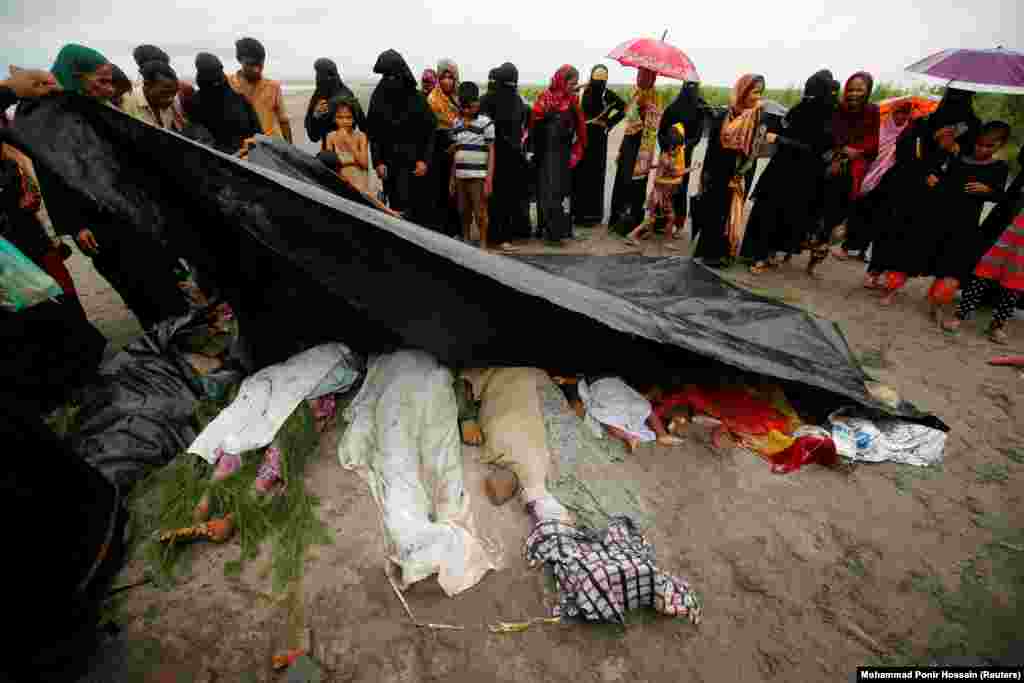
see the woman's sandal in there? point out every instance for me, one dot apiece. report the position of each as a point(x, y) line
point(950, 327)
point(998, 336)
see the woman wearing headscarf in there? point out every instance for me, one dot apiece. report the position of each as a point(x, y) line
point(686, 109)
point(401, 127)
point(147, 284)
point(508, 210)
point(428, 81)
point(728, 169)
point(870, 207)
point(636, 155)
point(225, 113)
point(558, 136)
point(319, 121)
point(154, 100)
point(444, 103)
point(603, 110)
point(855, 130)
point(788, 192)
point(902, 250)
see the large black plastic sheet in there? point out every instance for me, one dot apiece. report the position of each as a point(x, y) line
point(305, 263)
point(139, 415)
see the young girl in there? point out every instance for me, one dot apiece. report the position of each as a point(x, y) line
point(969, 182)
point(1002, 266)
point(348, 143)
point(671, 171)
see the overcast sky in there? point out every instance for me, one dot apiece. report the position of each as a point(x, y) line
point(785, 41)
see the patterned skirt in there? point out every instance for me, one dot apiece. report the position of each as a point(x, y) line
point(1004, 262)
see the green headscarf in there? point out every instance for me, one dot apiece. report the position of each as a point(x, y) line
point(74, 61)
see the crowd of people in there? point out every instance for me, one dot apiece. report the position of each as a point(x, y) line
point(909, 190)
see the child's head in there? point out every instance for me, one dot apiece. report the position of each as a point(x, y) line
point(469, 99)
point(991, 138)
point(343, 113)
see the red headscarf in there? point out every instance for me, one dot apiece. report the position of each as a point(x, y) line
point(859, 130)
point(557, 98)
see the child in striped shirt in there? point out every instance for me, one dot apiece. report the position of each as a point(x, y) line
point(473, 163)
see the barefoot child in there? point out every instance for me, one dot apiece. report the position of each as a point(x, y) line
point(348, 143)
point(624, 413)
point(473, 163)
point(671, 172)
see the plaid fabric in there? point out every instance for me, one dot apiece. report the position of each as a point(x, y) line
point(602, 578)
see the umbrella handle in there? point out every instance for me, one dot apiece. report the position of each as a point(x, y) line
point(664, 35)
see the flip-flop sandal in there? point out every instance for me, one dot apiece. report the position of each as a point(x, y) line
point(269, 474)
point(949, 330)
point(998, 337)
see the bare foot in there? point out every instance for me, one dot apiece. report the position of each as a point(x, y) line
point(632, 443)
point(472, 434)
point(669, 440)
point(813, 274)
point(888, 299)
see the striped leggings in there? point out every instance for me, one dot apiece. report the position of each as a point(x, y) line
point(976, 290)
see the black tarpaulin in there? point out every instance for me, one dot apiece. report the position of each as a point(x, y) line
point(304, 264)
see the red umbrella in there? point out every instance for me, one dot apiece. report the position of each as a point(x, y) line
point(656, 55)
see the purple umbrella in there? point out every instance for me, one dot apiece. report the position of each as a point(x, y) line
point(998, 71)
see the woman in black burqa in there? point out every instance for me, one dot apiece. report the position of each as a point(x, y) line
point(688, 109)
point(401, 126)
point(788, 194)
point(509, 208)
point(603, 110)
point(328, 86)
point(228, 116)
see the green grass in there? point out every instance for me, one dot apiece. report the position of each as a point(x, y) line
point(992, 473)
point(165, 501)
point(906, 475)
point(1015, 454)
point(983, 613)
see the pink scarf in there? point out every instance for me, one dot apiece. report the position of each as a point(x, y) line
point(888, 137)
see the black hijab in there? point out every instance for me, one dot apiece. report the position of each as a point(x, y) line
point(504, 106)
point(328, 86)
point(686, 109)
point(956, 107)
point(817, 104)
point(397, 100)
point(228, 116)
point(593, 94)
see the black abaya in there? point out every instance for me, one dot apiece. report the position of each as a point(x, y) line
point(588, 180)
point(552, 138)
point(958, 239)
point(401, 127)
point(228, 116)
point(720, 167)
point(788, 194)
point(628, 194)
point(907, 243)
point(509, 217)
point(688, 109)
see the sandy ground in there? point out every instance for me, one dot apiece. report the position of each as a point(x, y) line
point(804, 576)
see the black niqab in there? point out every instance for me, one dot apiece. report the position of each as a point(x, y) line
point(397, 99)
point(686, 109)
point(228, 116)
point(503, 105)
point(328, 86)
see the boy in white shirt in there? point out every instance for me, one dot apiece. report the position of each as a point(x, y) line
point(473, 162)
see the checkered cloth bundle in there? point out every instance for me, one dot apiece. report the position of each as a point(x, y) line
point(600, 578)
